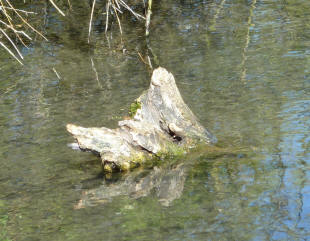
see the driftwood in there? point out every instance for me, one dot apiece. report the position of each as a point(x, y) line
point(161, 124)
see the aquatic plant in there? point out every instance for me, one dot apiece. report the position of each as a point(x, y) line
point(3, 225)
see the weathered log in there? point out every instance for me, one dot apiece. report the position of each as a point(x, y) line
point(161, 124)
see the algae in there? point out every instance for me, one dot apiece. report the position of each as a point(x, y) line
point(3, 228)
point(134, 107)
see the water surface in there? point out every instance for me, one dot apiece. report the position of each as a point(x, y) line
point(242, 67)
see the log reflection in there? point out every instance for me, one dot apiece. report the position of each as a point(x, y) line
point(166, 183)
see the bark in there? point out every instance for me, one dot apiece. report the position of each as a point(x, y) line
point(161, 124)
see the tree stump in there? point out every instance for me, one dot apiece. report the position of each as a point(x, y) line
point(161, 124)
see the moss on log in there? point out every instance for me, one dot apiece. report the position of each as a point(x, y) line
point(161, 124)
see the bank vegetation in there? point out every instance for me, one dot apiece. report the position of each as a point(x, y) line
point(20, 25)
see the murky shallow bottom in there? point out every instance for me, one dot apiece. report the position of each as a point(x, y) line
point(241, 67)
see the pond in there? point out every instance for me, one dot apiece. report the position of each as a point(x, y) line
point(243, 67)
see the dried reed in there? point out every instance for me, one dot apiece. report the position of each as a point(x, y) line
point(113, 7)
point(11, 16)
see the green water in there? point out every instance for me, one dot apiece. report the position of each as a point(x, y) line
point(244, 69)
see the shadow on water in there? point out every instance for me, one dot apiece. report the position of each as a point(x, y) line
point(164, 181)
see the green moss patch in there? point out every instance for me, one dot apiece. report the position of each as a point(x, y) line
point(134, 107)
point(3, 228)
